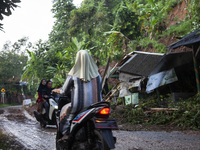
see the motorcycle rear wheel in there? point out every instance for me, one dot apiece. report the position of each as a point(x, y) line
point(58, 136)
point(100, 142)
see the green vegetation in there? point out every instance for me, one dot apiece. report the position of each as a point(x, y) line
point(187, 115)
point(7, 142)
point(12, 61)
point(146, 43)
point(106, 28)
point(7, 105)
point(3, 140)
point(4, 105)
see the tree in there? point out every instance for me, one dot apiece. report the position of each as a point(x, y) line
point(37, 64)
point(152, 14)
point(59, 34)
point(12, 61)
point(11, 65)
point(126, 21)
point(5, 8)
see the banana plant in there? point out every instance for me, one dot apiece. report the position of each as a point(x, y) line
point(72, 49)
point(116, 38)
point(66, 59)
point(152, 15)
point(35, 68)
point(59, 74)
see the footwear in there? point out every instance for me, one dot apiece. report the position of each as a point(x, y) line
point(37, 116)
point(64, 138)
point(63, 142)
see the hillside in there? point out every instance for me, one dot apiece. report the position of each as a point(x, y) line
point(177, 23)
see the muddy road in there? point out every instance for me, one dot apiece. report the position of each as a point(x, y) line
point(26, 129)
point(16, 122)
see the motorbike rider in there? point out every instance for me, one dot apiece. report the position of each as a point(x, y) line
point(84, 84)
point(39, 101)
point(46, 93)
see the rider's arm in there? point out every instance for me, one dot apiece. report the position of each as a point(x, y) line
point(67, 85)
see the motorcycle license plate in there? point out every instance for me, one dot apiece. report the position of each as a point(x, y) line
point(105, 124)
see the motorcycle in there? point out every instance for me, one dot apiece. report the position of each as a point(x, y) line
point(53, 108)
point(90, 130)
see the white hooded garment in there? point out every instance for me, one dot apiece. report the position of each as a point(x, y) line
point(85, 67)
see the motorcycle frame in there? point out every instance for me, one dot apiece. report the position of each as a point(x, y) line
point(89, 120)
point(52, 107)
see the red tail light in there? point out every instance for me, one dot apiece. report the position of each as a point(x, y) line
point(104, 111)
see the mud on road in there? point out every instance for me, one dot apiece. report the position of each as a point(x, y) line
point(18, 123)
point(26, 130)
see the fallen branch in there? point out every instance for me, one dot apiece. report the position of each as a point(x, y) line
point(166, 109)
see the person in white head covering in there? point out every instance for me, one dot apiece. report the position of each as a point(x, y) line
point(85, 67)
point(83, 83)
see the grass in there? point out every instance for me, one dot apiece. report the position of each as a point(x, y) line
point(4, 105)
point(7, 142)
point(3, 141)
point(7, 105)
point(159, 47)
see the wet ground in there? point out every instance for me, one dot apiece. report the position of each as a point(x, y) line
point(27, 130)
point(144, 140)
point(16, 122)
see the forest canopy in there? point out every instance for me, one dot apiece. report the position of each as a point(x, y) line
point(107, 28)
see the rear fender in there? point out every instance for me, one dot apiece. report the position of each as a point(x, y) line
point(108, 137)
point(81, 118)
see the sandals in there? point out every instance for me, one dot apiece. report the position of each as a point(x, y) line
point(64, 138)
point(63, 142)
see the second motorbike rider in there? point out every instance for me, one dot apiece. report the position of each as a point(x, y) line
point(46, 93)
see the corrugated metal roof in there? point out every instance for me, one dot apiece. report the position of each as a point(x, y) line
point(141, 63)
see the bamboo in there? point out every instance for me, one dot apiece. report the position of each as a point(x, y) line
point(196, 72)
point(113, 93)
point(107, 95)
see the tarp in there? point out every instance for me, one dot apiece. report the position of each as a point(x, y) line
point(173, 60)
point(160, 79)
point(187, 40)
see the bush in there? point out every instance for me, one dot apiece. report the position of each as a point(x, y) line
point(187, 115)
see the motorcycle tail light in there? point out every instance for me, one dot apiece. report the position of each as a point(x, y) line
point(104, 111)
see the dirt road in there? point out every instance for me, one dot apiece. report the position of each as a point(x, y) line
point(143, 140)
point(27, 131)
point(24, 128)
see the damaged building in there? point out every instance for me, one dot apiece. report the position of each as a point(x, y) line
point(175, 72)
